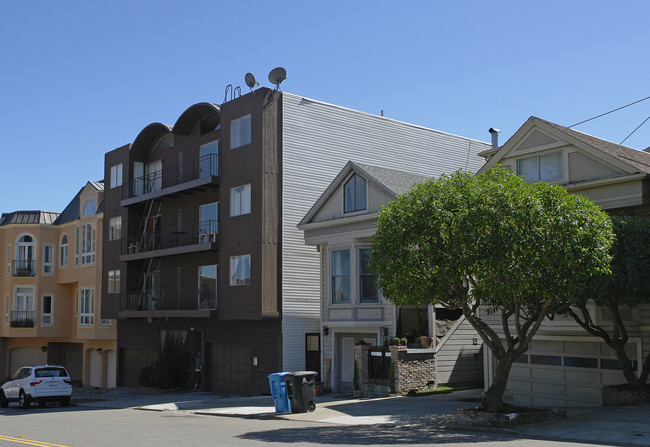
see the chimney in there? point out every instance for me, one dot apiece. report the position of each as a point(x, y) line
point(495, 137)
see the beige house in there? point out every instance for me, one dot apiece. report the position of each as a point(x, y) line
point(341, 225)
point(564, 365)
point(51, 291)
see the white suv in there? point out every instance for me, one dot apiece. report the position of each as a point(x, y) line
point(40, 384)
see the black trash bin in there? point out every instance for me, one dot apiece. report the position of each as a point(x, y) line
point(300, 388)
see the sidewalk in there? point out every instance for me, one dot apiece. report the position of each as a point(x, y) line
point(602, 425)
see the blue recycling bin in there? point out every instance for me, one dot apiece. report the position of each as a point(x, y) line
point(279, 392)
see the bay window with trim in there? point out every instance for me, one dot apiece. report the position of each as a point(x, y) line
point(47, 307)
point(240, 270)
point(340, 277)
point(63, 251)
point(541, 168)
point(368, 290)
point(87, 243)
point(86, 315)
point(48, 259)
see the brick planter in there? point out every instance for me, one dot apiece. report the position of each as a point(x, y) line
point(475, 417)
point(619, 395)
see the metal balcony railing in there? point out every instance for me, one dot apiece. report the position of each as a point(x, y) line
point(22, 318)
point(173, 174)
point(171, 236)
point(204, 298)
point(24, 267)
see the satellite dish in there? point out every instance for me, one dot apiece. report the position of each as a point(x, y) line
point(250, 81)
point(277, 75)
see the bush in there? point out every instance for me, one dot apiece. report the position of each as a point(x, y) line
point(395, 341)
point(171, 370)
point(403, 341)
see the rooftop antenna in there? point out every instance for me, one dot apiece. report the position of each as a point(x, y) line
point(276, 77)
point(250, 81)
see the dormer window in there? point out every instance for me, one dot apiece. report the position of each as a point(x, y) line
point(544, 168)
point(89, 208)
point(354, 194)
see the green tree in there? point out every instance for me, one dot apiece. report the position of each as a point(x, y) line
point(626, 287)
point(491, 242)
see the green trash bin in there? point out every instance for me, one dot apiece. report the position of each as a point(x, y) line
point(300, 389)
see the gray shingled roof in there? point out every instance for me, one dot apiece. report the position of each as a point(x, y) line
point(398, 182)
point(635, 158)
point(72, 211)
point(28, 217)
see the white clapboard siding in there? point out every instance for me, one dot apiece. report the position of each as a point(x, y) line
point(458, 359)
point(318, 140)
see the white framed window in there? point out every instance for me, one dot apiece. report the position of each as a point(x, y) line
point(8, 259)
point(6, 310)
point(545, 168)
point(76, 246)
point(368, 290)
point(240, 200)
point(87, 243)
point(209, 161)
point(26, 256)
point(354, 194)
point(240, 270)
point(340, 277)
point(48, 259)
point(86, 307)
point(115, 228)
point(240, 131)
point(89, 208)
point(116, 175)
point(113, 281)
point(23, 314)
point(208, 286)
point(63, 251)
point(47, 310)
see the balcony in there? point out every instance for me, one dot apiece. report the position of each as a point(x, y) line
point(192, 303)
point(173, 179)
point(24, 267)
point(22, 318)
point(169, 241)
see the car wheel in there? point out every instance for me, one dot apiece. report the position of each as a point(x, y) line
point(23, 400)
point(4, 403)
point(65, 402)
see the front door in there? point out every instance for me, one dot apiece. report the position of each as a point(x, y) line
point(312, 354)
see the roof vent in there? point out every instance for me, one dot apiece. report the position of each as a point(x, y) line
point(495, 137)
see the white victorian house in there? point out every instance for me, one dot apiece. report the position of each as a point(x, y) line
point(341, 225)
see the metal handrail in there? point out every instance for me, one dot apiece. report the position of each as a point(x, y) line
point(171, 236)
point(24, 267)
point(204, 298)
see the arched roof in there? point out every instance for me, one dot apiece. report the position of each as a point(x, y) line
point(209, 115)
point(148, 137)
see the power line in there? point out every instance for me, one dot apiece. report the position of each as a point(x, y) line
point(637, 128)
point(612, 111)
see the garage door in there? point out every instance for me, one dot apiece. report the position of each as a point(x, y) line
point(559, 373)
point(25, 356)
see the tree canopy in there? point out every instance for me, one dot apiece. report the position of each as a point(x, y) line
point(625, 288)
point(495, 243)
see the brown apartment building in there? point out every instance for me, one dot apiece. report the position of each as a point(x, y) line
point(209, 249)
point(51, 291)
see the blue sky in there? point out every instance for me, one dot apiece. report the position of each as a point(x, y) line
point(80, 78)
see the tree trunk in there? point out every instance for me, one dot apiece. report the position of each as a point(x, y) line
point(626, 365)
point(493, 399)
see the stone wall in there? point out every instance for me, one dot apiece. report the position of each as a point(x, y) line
point(415, 370)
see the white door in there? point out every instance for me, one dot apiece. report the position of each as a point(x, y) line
point(153, 176)
point(138, 178)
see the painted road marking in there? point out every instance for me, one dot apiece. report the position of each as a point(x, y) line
point(29, 442)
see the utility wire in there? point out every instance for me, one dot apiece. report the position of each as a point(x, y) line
point(637, 128)
point(612, 111)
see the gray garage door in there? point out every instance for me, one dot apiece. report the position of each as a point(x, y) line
point(560, 373)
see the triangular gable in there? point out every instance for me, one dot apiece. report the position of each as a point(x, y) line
point(537, 135)
point(390, 181)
